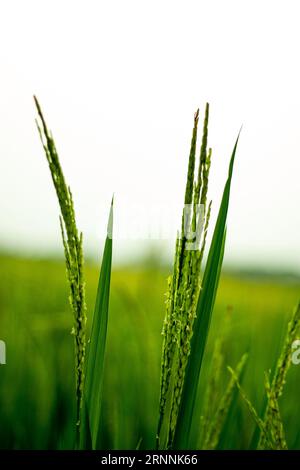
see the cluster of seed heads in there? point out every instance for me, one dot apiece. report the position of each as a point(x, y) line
point(72, 241)
point(274, 388)
point(184, 284)
point(272, 435)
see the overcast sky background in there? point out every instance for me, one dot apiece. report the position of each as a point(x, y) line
point(119, 82)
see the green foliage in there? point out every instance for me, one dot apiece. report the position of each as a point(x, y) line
point(89, 385)
point(272, 434)
point(259, 422)
point(72, 241)
point(216, 424)
point(90, 423)
point(214, 383)
point(212, 392)
point(275, 388)
point(201, 327)
point(275, 421)
point(184, 286)
point(189, 309)
point(115, 405)
point(37, 383)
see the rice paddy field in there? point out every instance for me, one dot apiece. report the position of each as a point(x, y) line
point(37, 401)
point(147, 356)
point(149, 212)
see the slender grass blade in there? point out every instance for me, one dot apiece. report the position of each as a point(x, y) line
point(90, 424)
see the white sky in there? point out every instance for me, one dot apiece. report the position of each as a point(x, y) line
point(119, 82)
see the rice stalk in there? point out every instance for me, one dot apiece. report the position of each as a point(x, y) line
point(276, 424)
point(282, 367)
point(211, 391)
point(284, 360)
point(72, 242)
point(216, 424)
point(184, 285)
point(170, 327)
point(204, 309)
point(259, 422)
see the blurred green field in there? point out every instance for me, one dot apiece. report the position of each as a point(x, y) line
point(37, 383)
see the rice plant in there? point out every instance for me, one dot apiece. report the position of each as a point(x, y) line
point(217, 419)
point(259, 422)
point(275, 389)
point(272, 435)
point(189, 305)
point(190, 302)
point(89, 376)
point(186, 305)
point(213, 389)
point(72, 242)
point(185, 283)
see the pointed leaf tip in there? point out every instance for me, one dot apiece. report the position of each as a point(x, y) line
point(110, 220)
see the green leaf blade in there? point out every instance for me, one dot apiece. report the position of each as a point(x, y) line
point(90, 424)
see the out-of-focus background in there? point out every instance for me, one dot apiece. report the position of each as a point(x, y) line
point(119, 83)
point(37, 383)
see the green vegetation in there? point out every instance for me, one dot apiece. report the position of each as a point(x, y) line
point(72, 242)
point(271, 427)
point(116, 382)
point(38, 407)
point(190, 301)
point(89, 384)
point(184, 288)
point(90, 424)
